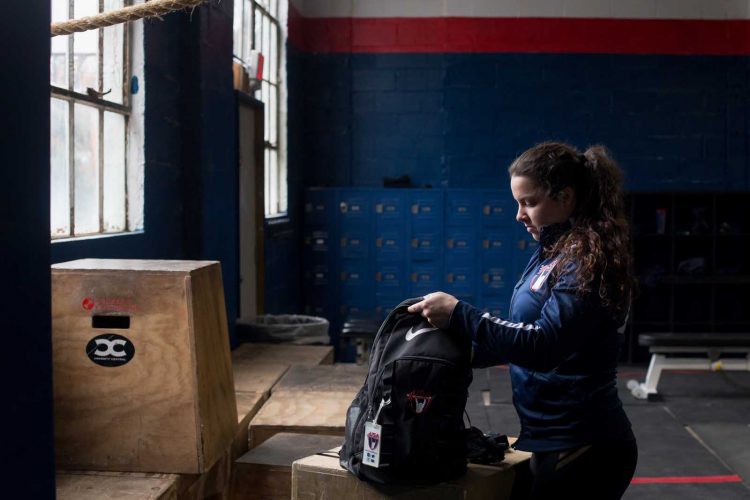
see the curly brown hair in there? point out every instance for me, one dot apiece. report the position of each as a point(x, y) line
point(599, 240)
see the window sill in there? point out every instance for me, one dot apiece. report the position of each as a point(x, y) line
point(57, 241)
point(278, 225)
point(273, 220)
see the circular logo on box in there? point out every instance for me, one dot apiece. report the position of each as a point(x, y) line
point(110, 349)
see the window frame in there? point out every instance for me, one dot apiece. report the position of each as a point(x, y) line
point(276, 184)
point(102, 105)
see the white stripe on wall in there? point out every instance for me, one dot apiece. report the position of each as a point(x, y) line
point(617, 9)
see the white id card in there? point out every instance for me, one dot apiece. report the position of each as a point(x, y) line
point(371, 449)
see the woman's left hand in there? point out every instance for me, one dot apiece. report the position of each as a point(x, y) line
point(436, 308)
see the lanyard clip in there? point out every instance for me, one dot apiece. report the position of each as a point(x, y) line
point(383, 403)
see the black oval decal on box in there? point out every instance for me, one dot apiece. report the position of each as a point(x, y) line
point(110, 349)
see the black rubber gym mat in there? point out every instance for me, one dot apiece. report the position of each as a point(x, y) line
point(499, 384)
point(723, 491)
point(701, 410)
point(503, 419)
point(666, 448)
point(731, 442)
point(700, 384)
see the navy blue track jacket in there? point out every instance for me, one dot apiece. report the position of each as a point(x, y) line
point(562, 348)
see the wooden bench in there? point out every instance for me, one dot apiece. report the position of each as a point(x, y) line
point(668, 352)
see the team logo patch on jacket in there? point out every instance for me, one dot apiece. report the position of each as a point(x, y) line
point(419, 401)
point(541, 275)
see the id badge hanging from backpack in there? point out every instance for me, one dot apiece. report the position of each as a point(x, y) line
point(373, 439)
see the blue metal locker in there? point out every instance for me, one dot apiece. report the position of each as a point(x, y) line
point(391, 244)
point(497, 208)
point(354, 244)
point(320, 206)
point(460, 244)
point(425, 277)
point(462, 208)
point(355, 209)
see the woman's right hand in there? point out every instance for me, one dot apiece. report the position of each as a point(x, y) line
point(436, 308)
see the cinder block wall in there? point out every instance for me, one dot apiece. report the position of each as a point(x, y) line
point(389, 88)
point(450, 92)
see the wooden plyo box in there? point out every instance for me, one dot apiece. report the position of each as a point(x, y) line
point(142, 370)
point(284, 353)
point(256, 376)
point(253, 381)
point(320, 477)
point(104, 486)
point(300, 412)
point(340, 377)
point(265, 473)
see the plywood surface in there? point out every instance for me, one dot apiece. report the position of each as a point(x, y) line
point(265, 473)
point(343, 377)
point(120, 418)
point(304, 412)
point(171, 407)
point(103, 486)
point(285, 353)
point(214, 482)
point(328, 462)
point(286, 447)
point(321, 476)
point(256, 376)
point(109, 265)
point(216, 396)
point(248, 405)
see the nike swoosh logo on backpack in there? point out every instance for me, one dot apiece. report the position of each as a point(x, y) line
point(411, 333)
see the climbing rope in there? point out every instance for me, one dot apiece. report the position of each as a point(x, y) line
point(155, 8)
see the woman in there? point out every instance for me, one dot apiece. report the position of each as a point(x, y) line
point(561, 339)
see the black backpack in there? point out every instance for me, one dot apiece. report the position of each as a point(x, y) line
point(416, 388)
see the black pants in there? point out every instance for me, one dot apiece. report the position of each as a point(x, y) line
point(600, 471)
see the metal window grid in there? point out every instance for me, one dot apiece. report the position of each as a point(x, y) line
point(73, 97)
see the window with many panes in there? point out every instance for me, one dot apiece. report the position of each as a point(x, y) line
point(260, 25)
point(96, 167)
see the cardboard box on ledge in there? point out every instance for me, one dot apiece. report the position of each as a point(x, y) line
point(142, 369)
point(321, 477)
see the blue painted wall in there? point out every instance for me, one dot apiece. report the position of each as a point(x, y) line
point(675, 123)
point(457, 120)
point(24, 227)
point(190, 200)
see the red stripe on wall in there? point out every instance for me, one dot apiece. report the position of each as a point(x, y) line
point(687, 479)
point(519, 35)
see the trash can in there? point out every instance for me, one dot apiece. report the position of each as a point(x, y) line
point(360, 333)
point(286, 328)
